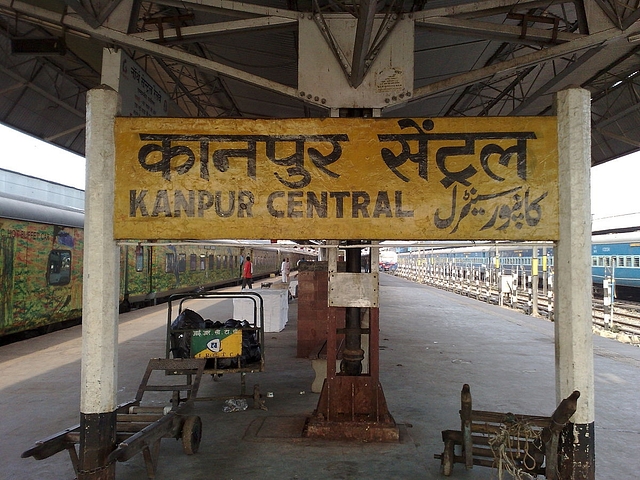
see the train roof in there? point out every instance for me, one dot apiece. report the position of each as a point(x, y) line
point(626, 237)
point(16, 208)
point(611, 238)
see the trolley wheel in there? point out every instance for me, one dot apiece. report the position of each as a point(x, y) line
point(191, 434)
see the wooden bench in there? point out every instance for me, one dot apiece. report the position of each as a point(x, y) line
point(507, 441)
point(139, 428)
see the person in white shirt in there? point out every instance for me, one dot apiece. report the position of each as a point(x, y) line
point(285, 269)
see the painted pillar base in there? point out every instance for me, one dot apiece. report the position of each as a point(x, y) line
point(97, 441)
point(352, 408)
point(577, 452)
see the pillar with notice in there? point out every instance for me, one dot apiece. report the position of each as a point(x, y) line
point(352, 403)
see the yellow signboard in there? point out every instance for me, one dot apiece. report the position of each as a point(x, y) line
point(337, 178)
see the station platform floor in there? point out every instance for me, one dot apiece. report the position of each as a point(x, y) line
point(431, 343)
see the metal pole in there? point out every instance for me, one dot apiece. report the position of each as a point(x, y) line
point(534, 282)
point(353, 354)
point(607, 298)
point(545, 272)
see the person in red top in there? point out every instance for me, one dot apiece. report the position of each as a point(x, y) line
point(247, 273)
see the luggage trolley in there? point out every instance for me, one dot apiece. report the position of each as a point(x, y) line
point(234, 346)
point(140, 427)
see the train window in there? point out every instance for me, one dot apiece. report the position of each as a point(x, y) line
point(211, 262)
point(594, 261)
point(182, 262)
point(193, 261)
point(600, 261)
point(607, 261)
point(636, 262)
point(203, 262)
point(224, 261)
point(218, 262)
point(169, 262)
point(139, 258)
point(59, 270)
point(627, 261)
point(621, 261)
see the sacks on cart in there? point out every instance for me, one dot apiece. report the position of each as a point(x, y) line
point(189, 321)
point(180, 334)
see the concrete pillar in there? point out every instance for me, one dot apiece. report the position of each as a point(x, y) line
point(100, 292)
point(573, 322)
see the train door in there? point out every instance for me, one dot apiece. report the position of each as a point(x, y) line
point(6, 280)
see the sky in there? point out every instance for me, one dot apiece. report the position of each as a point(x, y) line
point(614, 185)
point(30, 156)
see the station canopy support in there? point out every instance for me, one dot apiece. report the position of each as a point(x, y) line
point(352, 403)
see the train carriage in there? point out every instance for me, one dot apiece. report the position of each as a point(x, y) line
point(40, 265)
point(168, 269)
point(616, 256)
point(41, 254)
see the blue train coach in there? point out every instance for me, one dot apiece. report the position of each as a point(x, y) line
point(617, 255)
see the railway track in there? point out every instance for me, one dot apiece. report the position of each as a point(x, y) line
point(625, 317)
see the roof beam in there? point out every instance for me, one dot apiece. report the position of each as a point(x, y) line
point(78, 127)
point(42, 92)
point(506, 91)
point(562, 77)
point(555, 51)
point(605, 123)
point(609, 12)
point(197, 31)
point(85, 14)
point(340, 56)
point(231, 7)
point(363, 39)
point(13, 87)
point(122, 39)
point(631, 19)
point(620, 138)
point(494, 31)
point(483, 9)
point(93, 11)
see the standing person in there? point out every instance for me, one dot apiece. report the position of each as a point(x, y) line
point(247, 273)
point(285, 269)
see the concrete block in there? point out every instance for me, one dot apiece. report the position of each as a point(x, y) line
point(319, 366)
